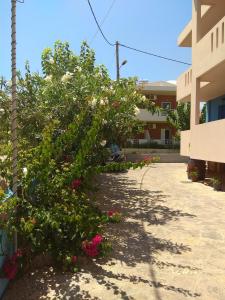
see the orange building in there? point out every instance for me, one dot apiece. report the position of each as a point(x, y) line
point(157, 129)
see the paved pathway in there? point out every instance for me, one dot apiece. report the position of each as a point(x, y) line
point(171, 245)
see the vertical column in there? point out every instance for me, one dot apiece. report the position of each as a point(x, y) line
point(196, 36)
point(196, 21)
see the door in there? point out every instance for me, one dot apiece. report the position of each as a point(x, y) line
point(167, 136)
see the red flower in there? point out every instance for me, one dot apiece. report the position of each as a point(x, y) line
point(97, 239)
point(110, 213)
point(74, 259)
point(75, 184)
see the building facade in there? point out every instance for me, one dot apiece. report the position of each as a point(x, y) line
point(157, 129)
point(203, 82)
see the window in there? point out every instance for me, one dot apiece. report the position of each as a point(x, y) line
point(165, 106)
point(221, 112)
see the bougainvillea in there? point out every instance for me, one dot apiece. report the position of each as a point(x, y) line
point(64, 115)
point(92, 248)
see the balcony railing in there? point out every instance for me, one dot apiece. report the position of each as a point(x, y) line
point(184, 86)
point(210, 50)
point(205, 142)
point(146, 116)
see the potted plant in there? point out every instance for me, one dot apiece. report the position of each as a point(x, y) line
point(216, 183)
point(193, 175)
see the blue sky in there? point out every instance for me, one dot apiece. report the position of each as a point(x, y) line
point(151, 25)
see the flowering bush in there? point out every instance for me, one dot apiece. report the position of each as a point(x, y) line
point(65, 117)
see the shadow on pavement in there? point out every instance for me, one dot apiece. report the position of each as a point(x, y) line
point(132, 245)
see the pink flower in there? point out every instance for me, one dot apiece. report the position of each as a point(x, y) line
point(90, 249)
point(97, 239)
point(75, 184)
point(74, 259)
point(147, 159)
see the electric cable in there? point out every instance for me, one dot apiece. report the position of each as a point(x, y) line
point(103, 20)
point(129, 47)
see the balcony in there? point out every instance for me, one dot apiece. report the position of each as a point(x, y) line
point(184, 86)
point(205, 142)
point(145, 116)
point(210, 50)
point(185, 37)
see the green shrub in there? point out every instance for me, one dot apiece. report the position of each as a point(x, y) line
point(64, 116)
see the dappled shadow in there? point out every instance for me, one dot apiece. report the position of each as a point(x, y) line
point(144, 205)
point(133, 245)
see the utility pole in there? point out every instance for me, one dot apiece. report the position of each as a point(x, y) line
point(117, 62)
point(14, 102)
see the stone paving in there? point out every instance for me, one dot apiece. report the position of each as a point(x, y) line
point(170, 246)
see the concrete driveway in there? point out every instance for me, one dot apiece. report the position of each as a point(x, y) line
point(170, 246)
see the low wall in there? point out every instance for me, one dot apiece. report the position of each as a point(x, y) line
point(165, 155)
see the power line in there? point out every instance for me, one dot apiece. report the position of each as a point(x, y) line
point(131, 48)
point(99, 27)
point(103, 20)
point(155, 55)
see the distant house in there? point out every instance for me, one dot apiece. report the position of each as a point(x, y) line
point(204, 82)
point(156, 127)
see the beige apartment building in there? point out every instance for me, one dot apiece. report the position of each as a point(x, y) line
point(204, 82)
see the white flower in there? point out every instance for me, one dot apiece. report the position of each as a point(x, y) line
point(9, 83)
point(104, 101)
point(103, 143)
point(78, 69)
point(136, 110)
point(93, 102)
point(51, 61)
point(143, 98)
point(66, 77)
point(48, 78)
point(105, 89)
point(104, 122)
point(25, 171)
